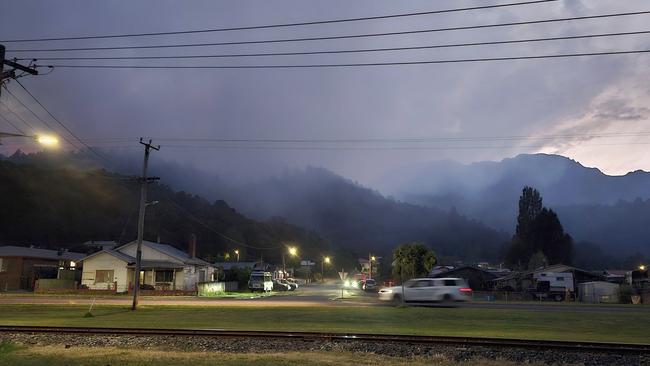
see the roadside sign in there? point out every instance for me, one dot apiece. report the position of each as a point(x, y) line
point(343, 275)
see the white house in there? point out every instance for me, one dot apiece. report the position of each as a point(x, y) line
point(163, 267)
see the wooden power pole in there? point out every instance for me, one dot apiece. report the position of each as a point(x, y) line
point(143, 205)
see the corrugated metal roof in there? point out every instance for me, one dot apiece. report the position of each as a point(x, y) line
point(172, 252)
point(114, 253)
point(16, 251)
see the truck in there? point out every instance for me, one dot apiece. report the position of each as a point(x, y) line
point(553, 285)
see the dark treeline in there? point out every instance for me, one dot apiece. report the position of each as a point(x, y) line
point(339, 210)
point(360, 218)
point(64, 207)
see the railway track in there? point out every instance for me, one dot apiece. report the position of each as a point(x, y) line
point(618, 348)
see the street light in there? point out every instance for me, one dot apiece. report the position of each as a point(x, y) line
point(642, 267)
point(237, 252)
point(322, 267)
point(293, 251)
point(371, 258)
point(45, 140)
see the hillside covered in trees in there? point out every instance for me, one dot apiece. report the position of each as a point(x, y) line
point(64, 207)
point(339, 210)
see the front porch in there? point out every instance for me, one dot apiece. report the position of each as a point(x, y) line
point(161, 276)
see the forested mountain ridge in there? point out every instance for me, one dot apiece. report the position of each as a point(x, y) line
point(62, 208)
point(342, 212)
point(356, 216)
point(610, 211)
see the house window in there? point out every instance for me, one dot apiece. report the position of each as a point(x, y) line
point(8, 264)
point(165, 276)
point(104, 276)
point(202, 275)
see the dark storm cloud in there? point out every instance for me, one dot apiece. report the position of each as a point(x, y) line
point(483, 99)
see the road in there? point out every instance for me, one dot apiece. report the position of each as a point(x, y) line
point(310, 295)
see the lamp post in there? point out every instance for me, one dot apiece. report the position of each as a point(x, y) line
point(322, 267)
point(237, 253)
point(642, 267)
point(293, 251)
point(45, 140)
point(371, 258)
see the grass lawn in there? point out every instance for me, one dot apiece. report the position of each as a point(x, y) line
point(629, 327)
point(59, 356)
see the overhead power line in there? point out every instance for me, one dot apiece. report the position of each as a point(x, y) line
point(378, 140)
point(281, 25)
point(210, 228)
point(38, 117)
point(363, 50)
point(100, 156)
point(363, 64)
point(13, 125)
point(29, 125)
point(371, 148)
point(348, 36)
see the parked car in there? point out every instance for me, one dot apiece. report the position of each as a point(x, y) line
point(369, 285)
point(278, 285)
point(423, 290)
point(293, 282)
point(291, 285)
point(260, 281)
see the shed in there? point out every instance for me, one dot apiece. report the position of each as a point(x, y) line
point(598, 292)
point(20, 267)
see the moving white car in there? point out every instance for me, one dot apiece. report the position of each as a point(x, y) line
point(422, 290)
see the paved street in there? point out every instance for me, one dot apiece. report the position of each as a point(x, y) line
point(309, 295)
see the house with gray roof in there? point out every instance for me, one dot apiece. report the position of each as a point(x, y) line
point(20, 267)
point(163, 267)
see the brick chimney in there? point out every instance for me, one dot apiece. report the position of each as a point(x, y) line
point(191, 247)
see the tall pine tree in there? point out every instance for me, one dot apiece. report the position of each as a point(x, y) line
point(539, 233)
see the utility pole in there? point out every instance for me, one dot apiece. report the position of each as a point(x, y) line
point(2, 65)
point(370, 265)
point(11, 74)
point(284, 266)
point(143, 205)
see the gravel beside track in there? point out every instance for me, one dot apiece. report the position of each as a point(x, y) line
point(243, 344)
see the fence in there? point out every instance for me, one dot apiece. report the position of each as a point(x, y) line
point(207, 289)
point(45, 284)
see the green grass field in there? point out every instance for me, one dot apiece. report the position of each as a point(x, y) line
point(628, 327)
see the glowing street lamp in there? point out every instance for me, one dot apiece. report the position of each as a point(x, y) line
point(642, 267)
point(293, 251)
point(371, 258)
point(322, 267)
point(47, 140)
point(237, 253)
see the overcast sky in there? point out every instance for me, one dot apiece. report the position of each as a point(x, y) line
point(577, 96)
